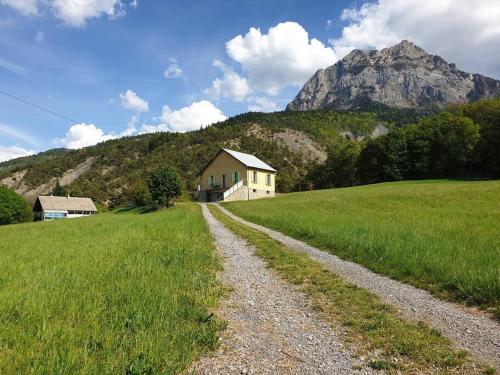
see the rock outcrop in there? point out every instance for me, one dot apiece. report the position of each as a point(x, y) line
point(402, 76)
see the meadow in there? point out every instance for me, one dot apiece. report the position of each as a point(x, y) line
point(439, 235)
point(372, 328)
point(114, 293)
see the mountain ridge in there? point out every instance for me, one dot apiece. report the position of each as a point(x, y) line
point(401, 76)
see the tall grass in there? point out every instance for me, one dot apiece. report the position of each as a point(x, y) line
point(109, 294)
point(375, 329)
point(440, 235)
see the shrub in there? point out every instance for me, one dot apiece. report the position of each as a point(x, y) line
point(141, 195)
point(13, 207)
point(59, 191)
point(164, 186)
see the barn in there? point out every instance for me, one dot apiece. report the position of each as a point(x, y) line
point(51, 207)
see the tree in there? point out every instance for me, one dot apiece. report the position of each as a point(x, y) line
point(164, 186)
point(486, 113)
point(384, 158)
point(453, 141)
point(440, 146)
point(13, 207)
point(340, 168)
point(59, 191)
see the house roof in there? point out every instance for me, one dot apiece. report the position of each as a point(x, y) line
point(66, 203)
point(249, 160)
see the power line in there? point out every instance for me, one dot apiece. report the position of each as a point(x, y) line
point(38, 107)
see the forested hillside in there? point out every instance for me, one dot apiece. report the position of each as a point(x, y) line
point(112, 171)
point(314, 149)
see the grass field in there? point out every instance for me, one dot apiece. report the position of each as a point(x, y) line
point(115, 293)
point(375, 329)
point(440, 235)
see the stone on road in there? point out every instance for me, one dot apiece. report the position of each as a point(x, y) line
point(271, 328)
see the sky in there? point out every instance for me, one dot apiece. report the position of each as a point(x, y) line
point(115, 68)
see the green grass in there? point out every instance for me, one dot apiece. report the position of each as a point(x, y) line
point(376, 330)
point(439, 235)
point(110, 294)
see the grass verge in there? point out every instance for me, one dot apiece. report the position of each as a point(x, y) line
point(375, 328)
point(437, 235)
point(110, 294)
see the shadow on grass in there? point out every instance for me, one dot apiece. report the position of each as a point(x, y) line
point(135, 209)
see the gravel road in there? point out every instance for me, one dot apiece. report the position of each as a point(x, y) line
point(271, 329)
point(466, 328)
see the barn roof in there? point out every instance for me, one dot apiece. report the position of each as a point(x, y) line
point(66, 203)
point(249, 160)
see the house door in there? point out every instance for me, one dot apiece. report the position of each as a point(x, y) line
point(224, 181)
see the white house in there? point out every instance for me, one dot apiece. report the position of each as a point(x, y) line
point(50, 207)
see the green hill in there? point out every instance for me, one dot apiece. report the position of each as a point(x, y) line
point(109, 172)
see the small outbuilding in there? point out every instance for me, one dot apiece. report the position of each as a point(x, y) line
point(51, 207)
point(233, 175)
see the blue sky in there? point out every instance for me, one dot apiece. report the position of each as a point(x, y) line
point(123, 67)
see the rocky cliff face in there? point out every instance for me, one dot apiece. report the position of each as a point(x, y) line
point(403, 76)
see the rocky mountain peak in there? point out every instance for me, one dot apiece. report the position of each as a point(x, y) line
point(405, 48)
point(403, 75)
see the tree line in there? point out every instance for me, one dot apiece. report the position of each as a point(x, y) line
point(461, 142)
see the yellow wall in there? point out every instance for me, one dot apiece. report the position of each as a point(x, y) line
point(223, 164)
point(226, 164)
point(261, 180)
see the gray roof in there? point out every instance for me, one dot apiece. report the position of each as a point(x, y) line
point(66, 203)
point(250, 160)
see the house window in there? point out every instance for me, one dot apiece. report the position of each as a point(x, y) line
point(268, 179)
point(223, 180)
point(268, 192)
point(211, 181)
point(254, 190)
point(236, 176)
point(254, 177)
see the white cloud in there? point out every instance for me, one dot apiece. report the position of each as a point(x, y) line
point(131, 128)
point(198, 114)
point(231, 85)
point(18, 69)
point(284, 56)
point(83, 135)
point(173, 70)
point(146, 128)
point(262, 104)
point(74, 13)
point(461, 31)
point(130, 100)
point(328, 24)
point(201, 113)
point(25, 7)
point(12, 152)
point(13, 132)
point(39, 37)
